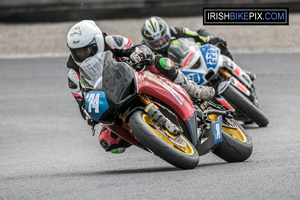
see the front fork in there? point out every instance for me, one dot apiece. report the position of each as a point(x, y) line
point(239, 85)
point(172, 128)
point(245, 87)
point(154, 112)
point(223, 85)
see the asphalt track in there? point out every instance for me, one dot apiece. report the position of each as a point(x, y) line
point(47, 151)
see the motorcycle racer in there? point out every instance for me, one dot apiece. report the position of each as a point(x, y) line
point(158, 37)
point(85, 39)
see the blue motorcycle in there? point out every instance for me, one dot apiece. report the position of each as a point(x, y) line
point(206, 66)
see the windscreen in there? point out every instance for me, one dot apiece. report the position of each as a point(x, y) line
point(180, 48)
point(91, 72)
point(185, 53)
point(103, 73)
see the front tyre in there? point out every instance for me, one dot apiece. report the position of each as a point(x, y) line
point(176, 150)
point(244, 105)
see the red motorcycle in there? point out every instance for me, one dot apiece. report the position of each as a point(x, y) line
point(153, 113)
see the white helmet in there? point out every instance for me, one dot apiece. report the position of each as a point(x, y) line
point(85, 39)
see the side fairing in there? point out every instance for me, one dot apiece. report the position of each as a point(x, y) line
point(96, 104)
point(210, 55)
point(210, 61)
point(166, 91)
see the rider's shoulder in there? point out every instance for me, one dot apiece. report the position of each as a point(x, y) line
point(117, 41)
point(72, 65)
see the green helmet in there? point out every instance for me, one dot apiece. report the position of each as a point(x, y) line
point(156, 33)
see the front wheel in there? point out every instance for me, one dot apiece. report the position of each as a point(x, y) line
point(245, 106)
point(176, 150)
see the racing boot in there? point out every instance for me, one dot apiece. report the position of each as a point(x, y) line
point(197, 91)
point(112, 142)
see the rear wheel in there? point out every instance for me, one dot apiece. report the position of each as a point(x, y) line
point(176, 150)
point(244, 105)
point(236, 145)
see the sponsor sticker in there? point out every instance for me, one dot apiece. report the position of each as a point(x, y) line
point(218, 130)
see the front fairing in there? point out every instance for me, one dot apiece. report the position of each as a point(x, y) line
point(195, 61)
point(210, 62)
point(180, 48)
point(108, 85)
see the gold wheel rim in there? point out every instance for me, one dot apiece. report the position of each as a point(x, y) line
point(178, 142)
point(236, 133)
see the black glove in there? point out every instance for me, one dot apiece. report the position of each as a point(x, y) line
point(216, 41)
point(137, 57)
point(141, 56)
point(177, 32)
point(221, 44)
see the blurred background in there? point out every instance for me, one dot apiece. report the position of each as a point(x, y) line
point(65, 10)
point(47, 151)
point(39, 27)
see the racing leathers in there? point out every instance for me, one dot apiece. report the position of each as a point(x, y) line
point(120, 47)
point(202, 36)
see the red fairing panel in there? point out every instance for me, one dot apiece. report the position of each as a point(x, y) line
point(166, 91)
point(125, 135)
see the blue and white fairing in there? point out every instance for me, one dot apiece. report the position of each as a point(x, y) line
point(96, 104)
point(210, 60)
point(218, 130)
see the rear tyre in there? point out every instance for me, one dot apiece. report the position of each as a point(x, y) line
point(242, 104)
point(236, 145)
point(176, 150)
